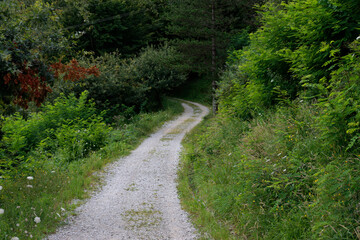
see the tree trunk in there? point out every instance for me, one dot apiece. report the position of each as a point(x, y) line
point(213, 58)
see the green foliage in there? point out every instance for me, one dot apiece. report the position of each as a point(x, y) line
point(50, 194)
point(271, 178)
point(339, 119)
point(159, 71)
point(68, 130)
point(272, 166)
point(136, 83)
point(196, 90)
point(114, 25)
point(198, 28)
point(292, 54)
point(31, 37)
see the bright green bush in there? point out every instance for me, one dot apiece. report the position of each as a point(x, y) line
point(68, 128)
point(340, 116)
point(50, 193)
point(292, 54)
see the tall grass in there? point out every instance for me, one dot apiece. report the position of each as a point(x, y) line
point(49, 192)
point(270, 178)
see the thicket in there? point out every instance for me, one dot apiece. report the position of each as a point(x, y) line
point(67, 130)
point(51, 190)
point(292, 54)
point(66, 112)
point(26, 53)
point(281, 160)
point(128, 86)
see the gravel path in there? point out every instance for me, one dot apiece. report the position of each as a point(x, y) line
point(139, 199)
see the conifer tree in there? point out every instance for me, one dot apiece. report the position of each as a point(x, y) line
point(201, 30)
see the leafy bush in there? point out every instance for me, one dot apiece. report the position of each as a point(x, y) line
point(273, 165)
point(50, 191)
point(160, 71)
point(340, 117)
point(290, 55)
point(272, 177)
point(69, 127)
point(136, 83)
point(31, 37)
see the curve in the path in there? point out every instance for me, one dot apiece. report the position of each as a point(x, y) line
point(139, 199)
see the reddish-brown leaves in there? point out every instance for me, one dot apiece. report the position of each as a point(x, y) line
point(30, 86)
point(73, 71)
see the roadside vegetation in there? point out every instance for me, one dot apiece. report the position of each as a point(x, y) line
point(281, 159)
point(66, 110)
point(82, 82)
point(63, 161)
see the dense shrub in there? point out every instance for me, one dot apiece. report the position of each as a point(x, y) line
point(136, 83)
point(68, 130)
point(30, 38)
point(281, 160)
point(273, 178)
point(51, 189)
point(290, 55)
point(340, 117)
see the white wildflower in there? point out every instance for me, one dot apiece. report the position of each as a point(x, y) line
point(284, 157)
point(30, 178)
point(358, 38)
point(52, 171)
point(2, 211)
point(14, 238)
point(63, 209)
point(284, 170)
point(279, 154)
point(0, 187)
point(29, 186)
point(37, 220)
point(268, 160)
point(18, 225)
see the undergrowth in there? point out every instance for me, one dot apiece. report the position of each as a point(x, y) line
point(197, 90)
point(272, 177)
point(37, 199)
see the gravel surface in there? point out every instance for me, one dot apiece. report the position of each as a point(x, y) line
point(139, 199)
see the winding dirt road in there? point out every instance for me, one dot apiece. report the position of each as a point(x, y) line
point(139, 199)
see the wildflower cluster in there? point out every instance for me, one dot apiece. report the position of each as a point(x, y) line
point(27, 211)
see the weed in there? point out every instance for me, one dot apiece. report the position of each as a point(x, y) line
point(32, 206)
point(269, 178)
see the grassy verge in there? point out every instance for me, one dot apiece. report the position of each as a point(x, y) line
point(48, 193)
point(269, 178)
